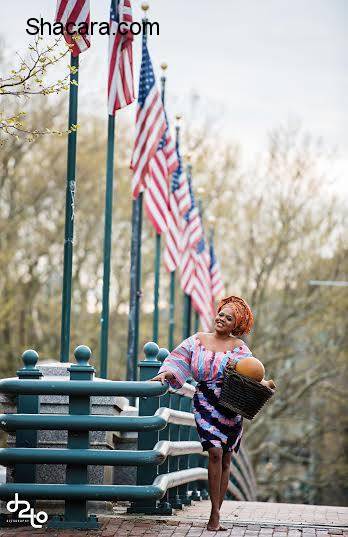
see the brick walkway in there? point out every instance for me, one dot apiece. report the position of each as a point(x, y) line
point(243, 519)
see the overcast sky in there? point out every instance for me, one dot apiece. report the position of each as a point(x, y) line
point(256, 63)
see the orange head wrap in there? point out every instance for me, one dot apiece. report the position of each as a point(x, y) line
point(243, 316)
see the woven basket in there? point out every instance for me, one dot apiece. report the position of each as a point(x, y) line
point(242, 395)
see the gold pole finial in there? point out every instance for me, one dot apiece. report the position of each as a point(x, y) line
point(178, 117)
point(164, 66)
point(145, 6)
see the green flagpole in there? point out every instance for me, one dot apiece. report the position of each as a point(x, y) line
point(69, 212)
point(156, 287)
point(135, 278)
point(158, 242)
point(187, 299)
point(139, 225)
point(171, 311)
point(172, 274)
point(187, 317)
point(200, 208)
point(196, 325)
point(104, 321)
point(135, 293)
point(196, 322)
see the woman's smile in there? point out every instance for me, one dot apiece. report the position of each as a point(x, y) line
point(224, 320)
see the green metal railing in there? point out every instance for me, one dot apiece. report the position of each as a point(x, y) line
point(171, 466)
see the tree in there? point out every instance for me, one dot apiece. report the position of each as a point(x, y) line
point(281, 226)
point(29, 78)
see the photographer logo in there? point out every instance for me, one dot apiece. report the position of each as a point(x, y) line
point(27, 512)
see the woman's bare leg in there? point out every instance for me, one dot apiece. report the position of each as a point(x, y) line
point(214, 478)
point(225, 474)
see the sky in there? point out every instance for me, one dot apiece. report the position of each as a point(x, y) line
point(255, 64)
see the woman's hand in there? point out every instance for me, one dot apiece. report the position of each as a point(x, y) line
point(162, 377)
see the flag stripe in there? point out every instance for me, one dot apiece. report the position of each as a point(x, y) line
point(202, 299)
point(76, 12)
point(217, 286)
point(162, 165)
point(176, 224)
point(120, 81)
point(150, 124)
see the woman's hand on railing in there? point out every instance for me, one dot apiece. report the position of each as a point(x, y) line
point(162, 377)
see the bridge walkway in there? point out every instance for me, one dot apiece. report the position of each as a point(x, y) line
point(243, 519)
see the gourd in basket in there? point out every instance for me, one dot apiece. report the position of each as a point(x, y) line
point(243, 390)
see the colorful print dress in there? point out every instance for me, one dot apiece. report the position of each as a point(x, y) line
point(192, 359)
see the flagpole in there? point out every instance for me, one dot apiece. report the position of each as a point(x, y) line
point(158, 240)
point(187, 298)
point(104, 320)
point(201, 191)
point(187, 317)
point(211, 220)
point(156, 286)
point(171, 311)
point(196, 325)
point(69, 212)
point(172, 274)
point(133, 319)
point(135, 277)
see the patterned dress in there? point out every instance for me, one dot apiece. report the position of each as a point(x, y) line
point(192, 359)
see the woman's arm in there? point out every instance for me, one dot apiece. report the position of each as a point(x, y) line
point(177, 366)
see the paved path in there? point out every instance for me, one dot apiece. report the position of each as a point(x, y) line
point(243, 519)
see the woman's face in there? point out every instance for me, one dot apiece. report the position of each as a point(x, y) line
point(224, 321)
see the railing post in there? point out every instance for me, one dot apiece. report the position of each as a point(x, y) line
point(193, 462)
point(164, 507)
point(148, 368)
point(186, 406)
point(174, 498)
point(27, 404)
point(76, 510)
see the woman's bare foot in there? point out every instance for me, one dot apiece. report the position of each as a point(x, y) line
point(214, 521)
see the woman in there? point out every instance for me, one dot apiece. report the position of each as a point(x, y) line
point(204, 356)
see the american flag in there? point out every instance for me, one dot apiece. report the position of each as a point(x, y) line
point(172, 251)
point(120, 83)
point(163, 164)
point(217, 285)
point(150, 123)
point(74, 12)
point(192, 234)
point(184, 195)
point(202, 298)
